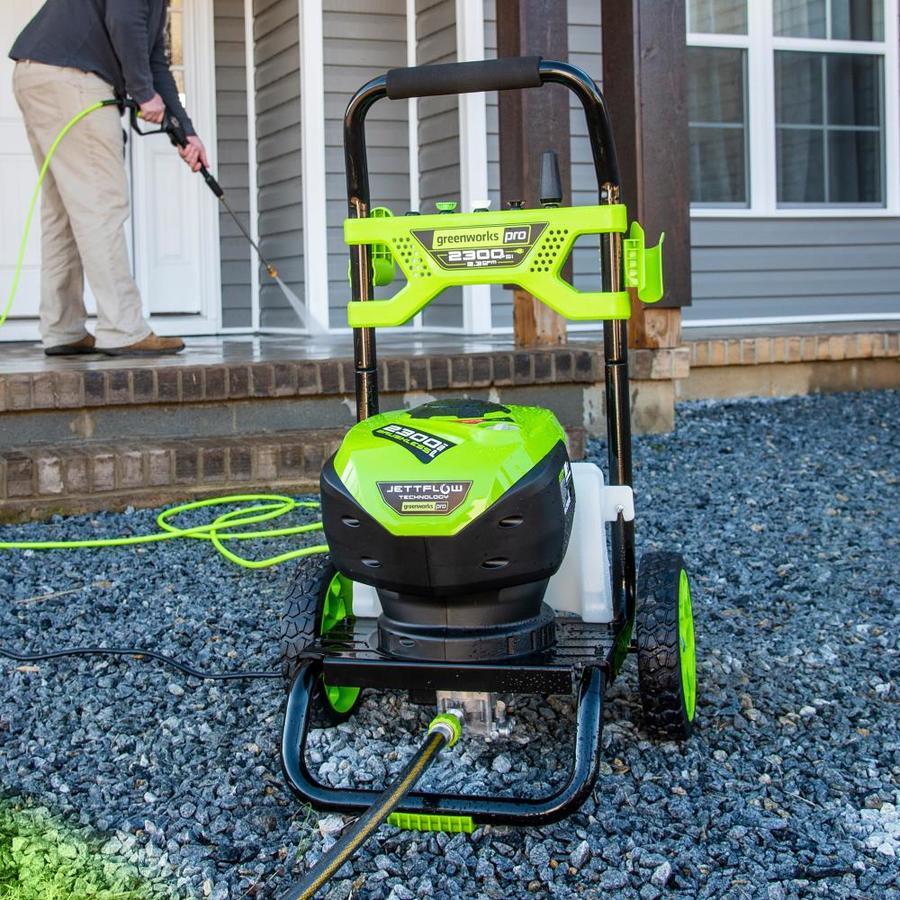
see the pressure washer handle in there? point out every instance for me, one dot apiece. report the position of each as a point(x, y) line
point(179, 138)
point(508, 73)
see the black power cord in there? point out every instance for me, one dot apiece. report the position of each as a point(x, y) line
point(136, 652)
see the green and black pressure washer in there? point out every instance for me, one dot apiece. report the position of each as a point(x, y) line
point(468, 556)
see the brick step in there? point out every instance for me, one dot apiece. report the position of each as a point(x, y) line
point(90, 386)
point(39, 480)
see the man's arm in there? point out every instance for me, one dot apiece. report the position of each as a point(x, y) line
point(165, 83)
point(127, 24)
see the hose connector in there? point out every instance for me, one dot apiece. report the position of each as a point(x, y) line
point(449, 724)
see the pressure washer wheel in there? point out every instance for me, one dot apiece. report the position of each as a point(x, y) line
point(319, 600)
point(665, 638)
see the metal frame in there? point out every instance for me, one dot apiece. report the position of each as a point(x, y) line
point(484, 809)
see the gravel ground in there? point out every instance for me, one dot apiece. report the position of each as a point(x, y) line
point(787, 514)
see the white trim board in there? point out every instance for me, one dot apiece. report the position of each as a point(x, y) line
point(473, 154)
point(312, 150)
point(252, 165)
point(791, 320)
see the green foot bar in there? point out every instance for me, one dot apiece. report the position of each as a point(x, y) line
point(425, 822)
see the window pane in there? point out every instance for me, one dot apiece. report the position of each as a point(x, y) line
point(798, 88)
point(716, 112)
point(718, 166)
point(801, 166)
point(715, 85)
point(854, 167)
point(857, 20)
point(801, 18)
point(830, 155)
point(717, 16)
point(854, 89)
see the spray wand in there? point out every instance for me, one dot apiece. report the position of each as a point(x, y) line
point(172, 127)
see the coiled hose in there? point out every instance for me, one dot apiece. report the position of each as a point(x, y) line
point(222, 529)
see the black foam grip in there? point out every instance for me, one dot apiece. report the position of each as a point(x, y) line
point(509, 73)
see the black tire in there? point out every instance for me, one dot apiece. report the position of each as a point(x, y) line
point(665, 707)
point(301, 623)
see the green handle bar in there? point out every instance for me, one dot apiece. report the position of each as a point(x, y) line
point(524, 247)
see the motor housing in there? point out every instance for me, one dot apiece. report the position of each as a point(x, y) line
point(458, 513)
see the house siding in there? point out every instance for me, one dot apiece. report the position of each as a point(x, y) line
point(356, 49)
point(232, 172)
point(276, 54)
point(742, 268)
point(794, 267)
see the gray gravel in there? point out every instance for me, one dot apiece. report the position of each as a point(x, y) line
point(787, 514)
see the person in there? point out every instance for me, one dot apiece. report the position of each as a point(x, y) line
point(70, 55)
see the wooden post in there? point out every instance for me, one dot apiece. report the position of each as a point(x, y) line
point(645, 84)
point(531, 122)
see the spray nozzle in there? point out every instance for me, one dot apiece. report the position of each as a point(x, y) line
point(273, 272)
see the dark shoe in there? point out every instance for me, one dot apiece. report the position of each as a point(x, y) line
point(85, 345)
point(152, 345)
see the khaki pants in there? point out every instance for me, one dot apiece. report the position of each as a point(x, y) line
point(84, 207)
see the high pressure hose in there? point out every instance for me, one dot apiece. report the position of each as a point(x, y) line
point(444, 730)
point(224, 528)
point(23, 244)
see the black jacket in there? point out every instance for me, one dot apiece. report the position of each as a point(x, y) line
point(122, 41)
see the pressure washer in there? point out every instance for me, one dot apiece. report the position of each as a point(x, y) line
point(467, 553)
point(467, 556)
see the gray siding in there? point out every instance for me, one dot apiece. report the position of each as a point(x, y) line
point(231, 125)
point(438, 138)
point(781, 267)
point(584, 51)
point(357, 48)
point(277, 56)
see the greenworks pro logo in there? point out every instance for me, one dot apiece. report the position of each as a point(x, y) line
point(480, 247)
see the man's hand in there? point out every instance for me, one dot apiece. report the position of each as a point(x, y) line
point(194, 154)
point(154, 110)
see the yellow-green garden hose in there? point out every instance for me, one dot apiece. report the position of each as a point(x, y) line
point(225, 527)
point(20, 259)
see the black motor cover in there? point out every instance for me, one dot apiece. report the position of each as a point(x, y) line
point(475, 595)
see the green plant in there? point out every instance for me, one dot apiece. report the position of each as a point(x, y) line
point(40, 859)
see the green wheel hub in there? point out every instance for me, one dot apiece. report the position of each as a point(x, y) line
point(687, 652)
point(337, 605)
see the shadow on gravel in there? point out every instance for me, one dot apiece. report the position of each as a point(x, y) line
point(786, 512)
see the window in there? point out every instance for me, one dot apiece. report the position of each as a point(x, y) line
point(792, 105)
point(175, 44)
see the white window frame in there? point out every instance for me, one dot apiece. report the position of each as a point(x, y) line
point(760, 44)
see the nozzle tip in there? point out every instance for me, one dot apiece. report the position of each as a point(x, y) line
point(273, 272)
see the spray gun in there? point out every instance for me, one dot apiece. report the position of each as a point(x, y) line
point(172, 127)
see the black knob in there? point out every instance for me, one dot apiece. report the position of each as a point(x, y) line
point(551, 183)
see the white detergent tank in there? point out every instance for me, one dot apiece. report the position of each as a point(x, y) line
point(582, 585)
